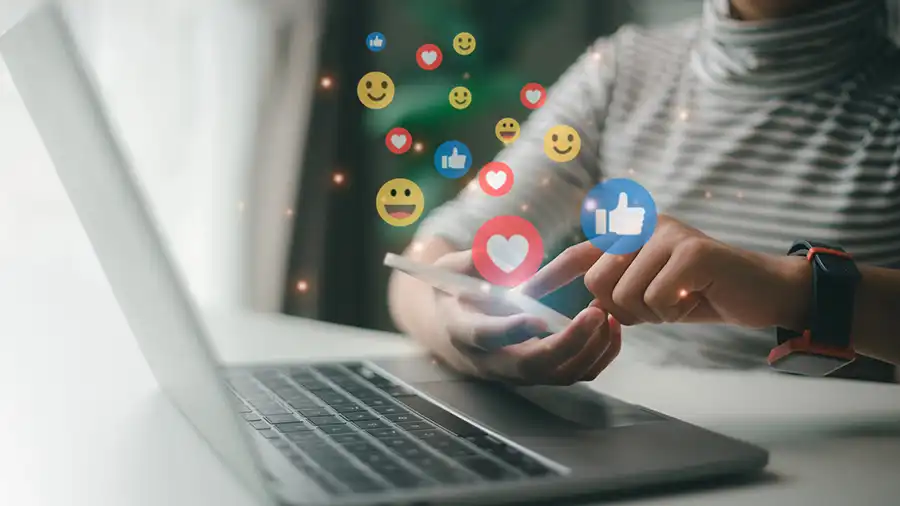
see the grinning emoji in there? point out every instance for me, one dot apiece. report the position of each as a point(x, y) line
point(375, 90)
point(400, 202)
point(507, 130)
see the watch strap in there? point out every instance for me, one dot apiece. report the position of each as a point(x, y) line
point(834, 280)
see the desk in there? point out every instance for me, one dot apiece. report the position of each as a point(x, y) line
point(85, 424)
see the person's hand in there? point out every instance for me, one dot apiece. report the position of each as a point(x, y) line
point(477, 333)
point(682, 275)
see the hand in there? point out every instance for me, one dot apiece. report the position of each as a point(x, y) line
point(477, 332)
point(682, 275)
point(376, 41)
point(454, 161)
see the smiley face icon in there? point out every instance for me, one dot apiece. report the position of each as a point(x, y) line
point(507, 130)
point(460, 97)
point(562, 143)
point(375, 90)
point(464, 43)
point(400, 202)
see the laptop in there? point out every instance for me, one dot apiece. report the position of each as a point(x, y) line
point(396, 431)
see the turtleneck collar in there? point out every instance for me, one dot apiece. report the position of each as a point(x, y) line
point(789, 55)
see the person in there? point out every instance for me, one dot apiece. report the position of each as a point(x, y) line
point(762, 122)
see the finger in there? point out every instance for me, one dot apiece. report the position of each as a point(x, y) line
point(579, 366)
point(573, 262)
point(485, 332)
point(612, 351)
point(458, 261)
point(673, 294)
point(539, 361)
point(601, 279)
point(630, 290)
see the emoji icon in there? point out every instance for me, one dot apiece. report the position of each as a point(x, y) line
point(375, 90)
point(533, 95)
point(398, 140)
point(496, 179)
point(618, 216)
point(429, 57)
point(562, 143)
point(460, 97)
point(507, 250)
point(507, 130)
point(375, 42)
point(464, 43)
point(452, 159)
point(400, 202)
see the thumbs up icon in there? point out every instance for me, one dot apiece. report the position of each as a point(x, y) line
point(376, 42)
point(455, 161)
point(623, 220)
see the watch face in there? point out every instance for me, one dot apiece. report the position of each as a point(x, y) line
point(807, 364)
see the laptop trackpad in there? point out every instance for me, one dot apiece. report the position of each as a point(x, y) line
point(536, 411)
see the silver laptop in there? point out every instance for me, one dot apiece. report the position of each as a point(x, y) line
point(399, 431)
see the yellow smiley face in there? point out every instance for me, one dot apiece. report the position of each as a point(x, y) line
point(562, 143)
point(400, 202)
point(464, 43)
point(375, 90)
point(460, 97)
point(507, 130)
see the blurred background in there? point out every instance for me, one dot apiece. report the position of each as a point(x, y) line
point(242, 120)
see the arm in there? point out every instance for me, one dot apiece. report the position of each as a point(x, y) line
point(682, 275)
point(876, 312)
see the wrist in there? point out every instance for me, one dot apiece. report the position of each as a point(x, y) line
point(793, 303)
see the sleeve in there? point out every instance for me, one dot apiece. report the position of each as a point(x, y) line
point(546, 193)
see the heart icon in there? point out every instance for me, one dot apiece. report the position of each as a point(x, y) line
point(533, 96)
point(507, 254)
point(496, 179)
point(398, 141)
point(429, 57)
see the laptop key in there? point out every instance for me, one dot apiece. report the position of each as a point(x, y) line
point(411, 426)
point(443, 472)
point(269, 434)
point(487, 468)
point(294, 427)
point(273, 410)
point(440, 416)
point(405, 416)
point(251, 417)
point(426, 434)
point(348, 439)
point(325, 420)
point(385, 432)
point(316, 411)
point(281, 418)
point(260, 425)
point(347, 408)
point(377, 402)
point(370, 424)
point(359, 416)
point(337, 429)
point(332, 397)
point(391, 410)
point(449, 446)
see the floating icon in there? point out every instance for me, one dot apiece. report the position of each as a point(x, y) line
point(562, 143)
point(429, 56)
point(507, 130)
point(507, 250)
point(533, 95)
point(460, 97)
point(618, 216)
point(398, 140)
point(496, 179)
point(375, 41)
point(452, 159)
point(375, 90)
point(464, 43)
point(400, 202)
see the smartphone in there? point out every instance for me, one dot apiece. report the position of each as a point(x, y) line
point(458, 284)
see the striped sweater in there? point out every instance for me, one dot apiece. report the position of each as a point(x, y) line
point(755, 133)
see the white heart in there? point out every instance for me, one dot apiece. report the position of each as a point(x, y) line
point(496, 179)
point(398, 141)
point(533, 96)
point(507, 254)
point(429, 57)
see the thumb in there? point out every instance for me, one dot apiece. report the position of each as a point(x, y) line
point(455, 152)
point(623, 201)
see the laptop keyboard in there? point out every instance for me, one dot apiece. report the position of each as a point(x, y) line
point(355, 431)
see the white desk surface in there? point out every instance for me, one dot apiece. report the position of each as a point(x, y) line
point(84, 423)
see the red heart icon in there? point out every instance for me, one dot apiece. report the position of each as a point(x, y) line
point(398, 140)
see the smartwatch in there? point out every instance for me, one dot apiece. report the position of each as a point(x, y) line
point(826, 344)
